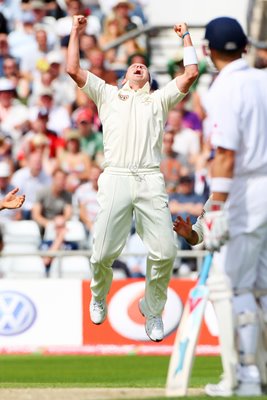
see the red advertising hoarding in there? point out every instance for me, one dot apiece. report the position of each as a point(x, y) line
point(124, 326)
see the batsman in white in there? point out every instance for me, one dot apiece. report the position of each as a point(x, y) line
point(133, 120)
point(237, 107)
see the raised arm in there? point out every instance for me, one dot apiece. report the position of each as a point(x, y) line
point(73, 68)
point(190, 74)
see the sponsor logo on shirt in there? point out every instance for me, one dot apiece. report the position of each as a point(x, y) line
point(123, 97)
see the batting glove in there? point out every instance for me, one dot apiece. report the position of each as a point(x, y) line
point(215, 226)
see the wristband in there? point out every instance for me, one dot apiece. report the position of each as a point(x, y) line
point(186, 33)
point(190, 56)
point(221, 185)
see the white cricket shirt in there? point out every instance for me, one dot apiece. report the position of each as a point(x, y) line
point(237, 107)
point(133, 121)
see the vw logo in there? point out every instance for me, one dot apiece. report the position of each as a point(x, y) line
point(17, 313)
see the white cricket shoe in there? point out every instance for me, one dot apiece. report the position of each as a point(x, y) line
point(249, 381)
point(154, 325)
point(220, 389)
point(98, 311)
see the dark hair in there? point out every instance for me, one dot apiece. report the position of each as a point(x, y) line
point(139, 54)
point(3, 24)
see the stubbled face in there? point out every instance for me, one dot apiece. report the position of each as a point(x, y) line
point(138, 74)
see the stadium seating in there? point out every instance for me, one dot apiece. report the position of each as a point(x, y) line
point(71, 267)
point(75, 232)
point(21, 237)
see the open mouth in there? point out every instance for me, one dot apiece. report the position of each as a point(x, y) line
point(138, 72)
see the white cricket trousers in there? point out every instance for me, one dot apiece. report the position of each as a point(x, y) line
point(122, 194)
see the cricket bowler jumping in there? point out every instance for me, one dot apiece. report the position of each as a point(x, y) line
point(132, 184)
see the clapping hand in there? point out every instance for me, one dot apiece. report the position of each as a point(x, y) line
point(11, 200)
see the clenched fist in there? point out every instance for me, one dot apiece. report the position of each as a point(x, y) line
point(180, 29)
point(79, 22)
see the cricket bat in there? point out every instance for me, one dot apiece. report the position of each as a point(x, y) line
point(182, 357)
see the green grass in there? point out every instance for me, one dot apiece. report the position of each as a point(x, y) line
point(97, 371)
point(100, 371)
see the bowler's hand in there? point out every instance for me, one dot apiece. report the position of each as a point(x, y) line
point(180, 29)
point(79, 22)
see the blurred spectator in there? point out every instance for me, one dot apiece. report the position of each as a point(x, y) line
point(59, 243)
point(31, 179)
point(97, 66)
point(61, 83)
point(117, 57)
point(6, 149)
point(87, 44)
point(4, 50)
point(139, 10)
point(58, 116)
point(190, 119)
point(186, 141)
point(261, 58)
point(52, 200)
point(85, 201)
point(39, 127)
point(32, 63)
point(37, 143)
point(170, 165)
point(23, 37)
point(122, 10)
point(41, 19)
point(11, 71)
point(10, 13)
point(94, 8)
point(74, 162)
point(76, 7)
point(5, 187)
point(83, 101)
point(54, 78)
point(91, 141)
point(185, 202)
point(13, 114)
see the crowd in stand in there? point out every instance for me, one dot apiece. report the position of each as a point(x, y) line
point(51, 143)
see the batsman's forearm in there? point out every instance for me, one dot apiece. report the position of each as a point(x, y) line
point(223, 167)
